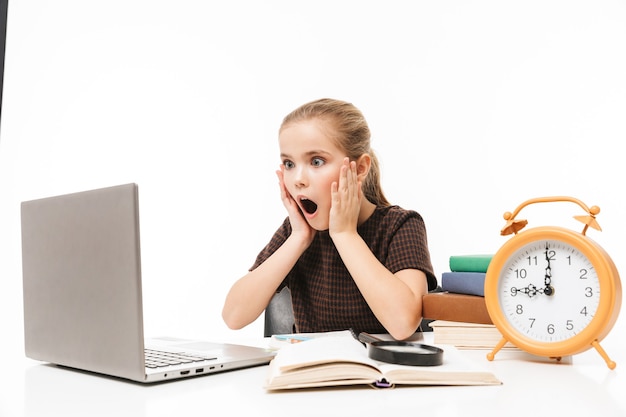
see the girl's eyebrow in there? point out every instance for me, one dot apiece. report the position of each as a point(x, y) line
point(308, 153)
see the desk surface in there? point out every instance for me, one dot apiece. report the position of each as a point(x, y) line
point(586, 385)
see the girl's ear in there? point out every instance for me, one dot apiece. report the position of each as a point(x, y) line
point(363, 165)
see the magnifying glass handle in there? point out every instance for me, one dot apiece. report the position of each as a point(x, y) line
point(367, 338)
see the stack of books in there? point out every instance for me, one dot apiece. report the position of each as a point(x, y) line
point(467, 274)
point(458, 314)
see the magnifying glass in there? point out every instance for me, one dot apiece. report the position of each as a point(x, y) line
point(401, 352)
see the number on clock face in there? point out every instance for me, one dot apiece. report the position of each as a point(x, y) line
point(549, 291)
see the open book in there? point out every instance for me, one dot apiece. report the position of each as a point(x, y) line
point(342, 360)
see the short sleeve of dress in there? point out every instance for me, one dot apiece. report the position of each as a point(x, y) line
point(405, 245)
point(279, 237)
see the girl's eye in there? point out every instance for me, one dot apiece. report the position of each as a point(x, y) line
point(317, 162)
point(288, 164)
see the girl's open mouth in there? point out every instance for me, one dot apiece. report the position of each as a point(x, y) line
point(308, 206)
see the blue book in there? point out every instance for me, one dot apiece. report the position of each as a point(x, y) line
point(472, 283)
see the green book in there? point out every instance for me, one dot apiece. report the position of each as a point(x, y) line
point(470, 263)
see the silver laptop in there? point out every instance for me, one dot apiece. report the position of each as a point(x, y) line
point(82, 293)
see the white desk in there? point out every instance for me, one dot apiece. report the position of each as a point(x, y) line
point(530, 388)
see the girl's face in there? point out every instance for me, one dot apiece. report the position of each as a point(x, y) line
point(312, 162)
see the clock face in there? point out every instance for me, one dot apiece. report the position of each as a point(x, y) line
point(548, 291)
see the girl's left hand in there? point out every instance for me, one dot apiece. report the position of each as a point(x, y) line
point(345, 200)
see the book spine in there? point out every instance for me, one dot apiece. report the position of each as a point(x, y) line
point(472, 283)
point(469, 263)
point(455, 307)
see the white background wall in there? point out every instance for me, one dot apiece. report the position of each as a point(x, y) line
point(475, 107)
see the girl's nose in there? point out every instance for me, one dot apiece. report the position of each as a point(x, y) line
point(300, 178)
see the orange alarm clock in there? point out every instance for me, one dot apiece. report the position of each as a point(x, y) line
point(551, 291)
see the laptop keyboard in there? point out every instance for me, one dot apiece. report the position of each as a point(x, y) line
point(159, 359)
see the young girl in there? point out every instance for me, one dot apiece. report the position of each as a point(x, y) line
point(350, 259)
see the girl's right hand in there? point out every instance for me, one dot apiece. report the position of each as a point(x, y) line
point(299, 225)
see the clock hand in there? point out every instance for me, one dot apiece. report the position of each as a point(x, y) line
point(530, 290)
point(547, 280)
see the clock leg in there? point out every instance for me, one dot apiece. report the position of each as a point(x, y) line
point(495, 350)
point(602, 353)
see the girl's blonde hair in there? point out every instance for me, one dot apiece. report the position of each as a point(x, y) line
point(351, 133)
